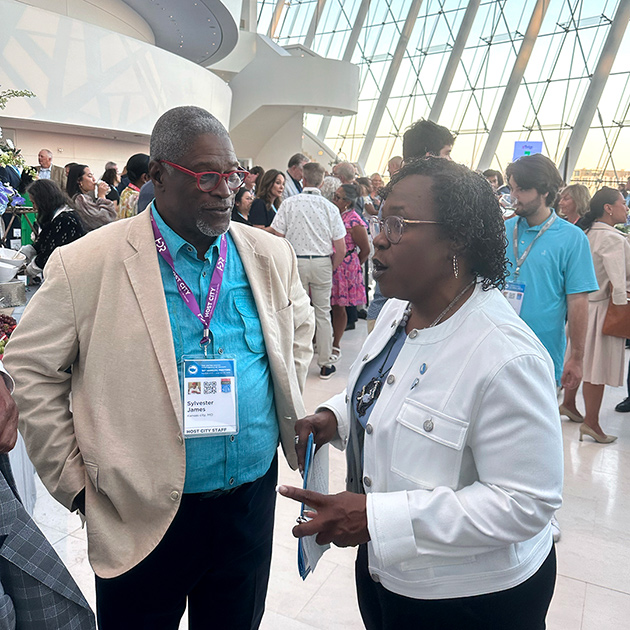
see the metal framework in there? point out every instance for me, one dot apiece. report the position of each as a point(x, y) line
point(464, 65)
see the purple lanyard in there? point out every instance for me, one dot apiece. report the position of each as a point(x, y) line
point(183, 288)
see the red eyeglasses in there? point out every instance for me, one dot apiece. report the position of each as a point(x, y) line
point(209, 180)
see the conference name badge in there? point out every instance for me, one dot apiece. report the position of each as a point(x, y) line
point(209, 396)
point(514, 293)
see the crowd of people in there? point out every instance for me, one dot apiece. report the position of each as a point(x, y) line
point(221, 283)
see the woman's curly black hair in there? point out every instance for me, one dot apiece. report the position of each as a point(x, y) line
point(469, 211)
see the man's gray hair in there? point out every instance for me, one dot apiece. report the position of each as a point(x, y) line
point(177, 129)
point(345, 171)
point(47, 151)
point(297, 159)
point(313, 174)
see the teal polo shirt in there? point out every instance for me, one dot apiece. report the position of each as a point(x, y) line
point(223, 462)
point(559, 264)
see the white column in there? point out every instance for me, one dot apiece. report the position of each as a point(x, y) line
point(454, 59)
point(388, 84)
point(596, 88)
point(347, 56)
point(312, 29)
point(514, 82)
point(275, 19)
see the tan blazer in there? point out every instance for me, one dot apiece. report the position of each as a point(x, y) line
point(102, 311)
point(57, 175)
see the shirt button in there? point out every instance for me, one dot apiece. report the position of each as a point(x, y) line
point(428, 426)
point(522, 242)
point(413, 334)
point(189, 248)
point(180, 439)
point(369, 429)
point(174, 495)
point(220, 350)
point(232, 438)
point(390, 379)
point(231, 482)
point(367, 482)
point(204, 274)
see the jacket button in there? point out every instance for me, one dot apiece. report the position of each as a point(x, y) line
point(367, 482)
point(366, 357)
point(347, 399)
point(393, 324)
point(180, 439)
point(369, 429)
point(374, 577)
point(428, 426)
point(413, 334)
point(390, 379)
point(174, 495)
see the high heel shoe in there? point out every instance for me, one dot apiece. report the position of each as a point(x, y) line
point(586, 430)
point(574, 417)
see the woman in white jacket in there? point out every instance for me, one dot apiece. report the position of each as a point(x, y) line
point(450, 422)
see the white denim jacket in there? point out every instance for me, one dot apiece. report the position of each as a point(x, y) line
point(462, 471)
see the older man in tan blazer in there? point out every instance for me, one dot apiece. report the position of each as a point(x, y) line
point(171, 520)
point(47, 170)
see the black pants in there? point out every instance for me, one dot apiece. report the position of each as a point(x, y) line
point(523, 607)
point(216, 554)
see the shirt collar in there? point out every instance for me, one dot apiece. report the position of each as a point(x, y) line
point(175, 242)
point(536, 228)
point(311, 190)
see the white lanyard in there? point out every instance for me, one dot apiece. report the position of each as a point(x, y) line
point(521, 260)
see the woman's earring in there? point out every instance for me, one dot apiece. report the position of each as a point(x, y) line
point(455, 266)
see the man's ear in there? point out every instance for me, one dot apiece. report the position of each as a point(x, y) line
point(155, 172)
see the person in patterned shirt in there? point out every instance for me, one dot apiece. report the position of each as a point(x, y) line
point(138, 173)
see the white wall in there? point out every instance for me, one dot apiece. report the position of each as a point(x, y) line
point(114, 15)
point(90, 77)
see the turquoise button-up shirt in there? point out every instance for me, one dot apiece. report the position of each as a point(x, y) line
point(223, 462)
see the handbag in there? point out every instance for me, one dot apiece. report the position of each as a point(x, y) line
point(617, 320)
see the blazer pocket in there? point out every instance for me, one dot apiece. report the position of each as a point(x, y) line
point(92, 474)
point(428, 446)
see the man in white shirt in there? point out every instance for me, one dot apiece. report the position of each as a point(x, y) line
point(313, 225)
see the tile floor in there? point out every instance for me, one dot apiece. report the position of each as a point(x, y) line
point(593, 587)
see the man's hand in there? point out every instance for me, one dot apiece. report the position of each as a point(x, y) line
point(323, 426)
point(340, 519)
point(8, 419)
point(572, 374)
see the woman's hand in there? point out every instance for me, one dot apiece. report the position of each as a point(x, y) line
point(102, 188)
point(323, 426)
point(340, 519)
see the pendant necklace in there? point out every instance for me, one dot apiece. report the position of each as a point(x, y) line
point(372, 389)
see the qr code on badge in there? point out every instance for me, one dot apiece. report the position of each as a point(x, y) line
point(209, 387)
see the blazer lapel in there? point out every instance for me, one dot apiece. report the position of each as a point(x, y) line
point(144, 274)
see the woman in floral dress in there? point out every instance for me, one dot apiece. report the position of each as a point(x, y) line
point(348, 288)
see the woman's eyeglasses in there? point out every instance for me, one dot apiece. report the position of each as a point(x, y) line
point(393, 227)
point(210, 180)
point(336, 197)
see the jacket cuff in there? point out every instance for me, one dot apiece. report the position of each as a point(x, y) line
point(389, 524)
point(337, 404)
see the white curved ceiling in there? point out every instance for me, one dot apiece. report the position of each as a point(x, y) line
point(202, 31)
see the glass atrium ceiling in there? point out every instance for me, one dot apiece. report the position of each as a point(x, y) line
point(397, 89)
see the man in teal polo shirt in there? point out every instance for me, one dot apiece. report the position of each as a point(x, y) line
point(551, 268)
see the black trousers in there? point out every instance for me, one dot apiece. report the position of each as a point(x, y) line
point(216, 555)
point(523, 607)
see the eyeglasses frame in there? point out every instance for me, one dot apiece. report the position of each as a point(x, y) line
point(381, 223)
point(198, 176)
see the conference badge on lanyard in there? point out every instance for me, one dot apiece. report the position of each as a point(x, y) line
point(514, 292)
point(209, 393)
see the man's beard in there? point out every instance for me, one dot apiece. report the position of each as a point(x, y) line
point(211, 230)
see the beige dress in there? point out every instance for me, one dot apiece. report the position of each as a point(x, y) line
point(604, 357)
